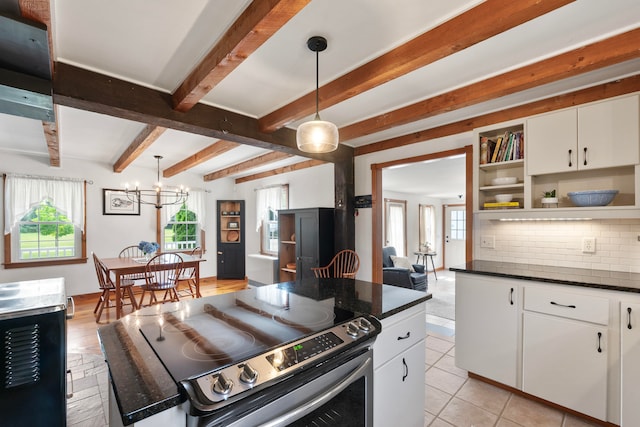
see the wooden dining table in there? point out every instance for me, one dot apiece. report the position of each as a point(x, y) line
point(121, 267)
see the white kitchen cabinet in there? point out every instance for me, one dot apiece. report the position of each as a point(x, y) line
point(565, 349)
point(399, 368)
point(630, 368)
point(487, 327)
point(600, 135)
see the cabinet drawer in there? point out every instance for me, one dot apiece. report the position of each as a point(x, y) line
point(566, 304)
point(398, 337)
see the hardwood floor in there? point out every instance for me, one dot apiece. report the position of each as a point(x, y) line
point(82, 330)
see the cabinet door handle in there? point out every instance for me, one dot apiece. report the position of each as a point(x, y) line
point(406, 370)
point(585, 156)
point(562, 305)
point(570, 164)
point(219, 253)
point(405, 337)
point(511, 297)
point(629, 318)
point(599, 338)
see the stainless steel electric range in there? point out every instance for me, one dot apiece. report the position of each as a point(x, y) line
point(268, 356)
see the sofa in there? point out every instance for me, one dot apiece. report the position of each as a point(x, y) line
point(400, 276)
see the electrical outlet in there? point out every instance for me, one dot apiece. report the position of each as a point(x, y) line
point(589, 245)
point(488, 242)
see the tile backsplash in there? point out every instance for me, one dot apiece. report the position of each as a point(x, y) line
point(559, 243)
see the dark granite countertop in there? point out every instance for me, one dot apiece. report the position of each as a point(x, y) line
point(600, 279)
point(142, 385)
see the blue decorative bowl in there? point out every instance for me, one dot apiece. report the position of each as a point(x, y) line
point(592, 198)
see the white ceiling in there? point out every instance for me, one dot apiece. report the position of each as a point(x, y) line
point(156, 43)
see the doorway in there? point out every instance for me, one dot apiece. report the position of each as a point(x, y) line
point(378, 205)
point(455, 234)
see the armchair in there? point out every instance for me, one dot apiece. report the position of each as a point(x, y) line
point(403, 277)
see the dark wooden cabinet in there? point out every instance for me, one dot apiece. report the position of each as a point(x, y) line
point(230, 240)
point(305, 241)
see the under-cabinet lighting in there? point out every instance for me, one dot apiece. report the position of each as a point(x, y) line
point(545, 219)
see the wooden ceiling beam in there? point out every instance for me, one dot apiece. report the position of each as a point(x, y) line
point(259, 21)
point(87, 90)
point(249, 164)
point(40, 11)
point(595, 93)
point(616, 49)
point(145, 138)
point(474, 26)
point(279, 171)
point(201, 156)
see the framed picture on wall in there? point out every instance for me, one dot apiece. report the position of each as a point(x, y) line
point(116, 202)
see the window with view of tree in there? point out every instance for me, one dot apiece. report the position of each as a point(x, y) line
point(44, 220)
point(46, 233)
point(182, 231)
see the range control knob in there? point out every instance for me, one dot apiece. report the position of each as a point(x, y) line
point(352, 329)
point(248, 375)
point(222, 385)
point(364, 325)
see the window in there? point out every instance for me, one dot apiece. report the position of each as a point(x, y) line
point(268, 202)
point(44, 221)
point(181, 232)
point(395, 225)
point(426, 226)
point(183, 227)
point(458, 225)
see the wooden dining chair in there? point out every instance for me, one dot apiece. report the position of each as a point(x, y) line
point(108, 288)
point(344, 265)
point(187, 285)
point(161, 275)
point(130, 252)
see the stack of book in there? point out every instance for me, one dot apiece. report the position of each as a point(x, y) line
point(509, 146)
point(501, 205)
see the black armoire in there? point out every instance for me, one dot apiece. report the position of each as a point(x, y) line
point(305, 239)
point(230, 240)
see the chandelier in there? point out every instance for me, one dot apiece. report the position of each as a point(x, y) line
point(158, 196)
point(317, 136)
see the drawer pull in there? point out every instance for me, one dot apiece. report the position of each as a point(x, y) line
point(511, 297)
point(562, 305)
point(570, 159)
point(406, 370)
point(599, 337)
point(405, 337)
point(629, 317)
point(585, 156)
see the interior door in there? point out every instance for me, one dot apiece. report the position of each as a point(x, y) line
point(455, 235)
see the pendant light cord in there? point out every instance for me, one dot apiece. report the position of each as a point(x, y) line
point(317, 84)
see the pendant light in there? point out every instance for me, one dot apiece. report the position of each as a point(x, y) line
point(317, 136)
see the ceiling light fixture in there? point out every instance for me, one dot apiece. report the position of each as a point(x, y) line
point(317, 136)
point(158, 197)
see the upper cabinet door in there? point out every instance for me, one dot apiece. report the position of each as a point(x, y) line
point(551, 143)
point(608, 133)
point(601, 135)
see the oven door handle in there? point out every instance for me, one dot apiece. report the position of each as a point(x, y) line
point(319, 400)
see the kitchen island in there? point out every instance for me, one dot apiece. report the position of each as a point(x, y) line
point(141, 386)
point(568, 336)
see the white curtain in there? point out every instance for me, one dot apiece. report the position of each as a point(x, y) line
point(195, 203)
point(272, 198)
point(23, 192)
point(395, 228)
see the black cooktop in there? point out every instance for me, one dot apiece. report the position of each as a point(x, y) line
point(200, 338)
